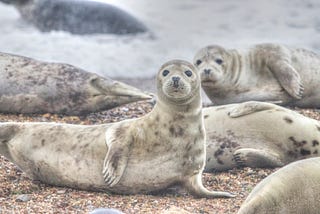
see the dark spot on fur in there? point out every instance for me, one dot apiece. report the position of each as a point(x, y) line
point(184, 163)
point(304, 152)
point(200, 129)
point(318, 128)
point(206, 116)
point(43, 142)
point(315, 143)
point(297, 143)
point(116, 158)
point(73, 146)
point(188, 147)
point(58, 150)
point(292, 154)
point(218, 153)
point(156, 133)
point(288, 120)
point(220, 161)
point(176, 131)
point(315, 152)
point(157, 118)
point(209, 159)
point(86, 145)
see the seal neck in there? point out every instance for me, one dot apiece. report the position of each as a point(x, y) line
point(192, 105)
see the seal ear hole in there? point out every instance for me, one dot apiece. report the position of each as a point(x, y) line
point(219, 61)
point(198, 62)
point(165, 73)
point(188, 73)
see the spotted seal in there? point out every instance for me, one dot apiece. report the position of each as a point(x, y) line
point(77, 16)
point(258, 134)
point(126, 157)
point(294, 189)
point(264, 72)
point(31, 86)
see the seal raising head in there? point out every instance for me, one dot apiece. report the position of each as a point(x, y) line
point(126, 157)
point(264, 72)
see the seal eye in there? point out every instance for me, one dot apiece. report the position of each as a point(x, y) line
point(188, 73)
point(219, 61)
point(165, 73)
point(198, 62)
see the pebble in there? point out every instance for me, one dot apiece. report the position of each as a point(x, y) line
point(23, 198)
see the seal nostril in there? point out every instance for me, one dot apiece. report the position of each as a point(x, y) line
point(207, 71)
point(175, 81)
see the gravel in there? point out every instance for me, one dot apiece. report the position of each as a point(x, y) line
point(19, 194)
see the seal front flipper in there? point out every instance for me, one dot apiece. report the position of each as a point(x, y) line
point(196, 188)
point(257, 158)
point(116, 159)
point(288, 78)
point(249, 108)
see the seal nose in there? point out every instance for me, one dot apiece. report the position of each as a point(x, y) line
point(175, 81)
point(207, 71)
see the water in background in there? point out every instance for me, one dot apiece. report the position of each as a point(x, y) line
point(179, 28)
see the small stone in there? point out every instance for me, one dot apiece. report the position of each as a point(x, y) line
point(23, 198)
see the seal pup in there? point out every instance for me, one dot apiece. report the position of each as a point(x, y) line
point(294, 189)
point(126, 157)
point(77, 16)
point(258, 134)
point(30, 86)
point(264, 72)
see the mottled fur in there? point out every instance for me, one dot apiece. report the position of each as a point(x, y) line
point(31, 86)
point(163, 148)
point(264, 72)
point(258, 134)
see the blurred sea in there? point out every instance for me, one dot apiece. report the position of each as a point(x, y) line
point(179, 28)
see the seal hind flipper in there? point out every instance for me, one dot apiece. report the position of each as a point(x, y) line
point(249, 108)
point(195, 186)
point(257, 158)
point(288, 78)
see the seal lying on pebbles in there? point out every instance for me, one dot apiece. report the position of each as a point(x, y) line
point(126, 157)
point(258, 134)
point(30, 86)
point(294, 189)
point(265, 72)
point(77, 16)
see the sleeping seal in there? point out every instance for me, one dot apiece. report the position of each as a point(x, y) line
point(30, 86)
point(77, 16)
point(258, 134)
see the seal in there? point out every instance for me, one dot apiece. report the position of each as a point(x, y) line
point(30, 86)
point(264, 72)
point(294, 188)
point(77, 17)
point(258, 134)
point(126, 157)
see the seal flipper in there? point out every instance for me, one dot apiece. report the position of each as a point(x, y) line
point(288, 78)
point(249, 108)
point(116, 159)
point(257, 158)
point(196, 188)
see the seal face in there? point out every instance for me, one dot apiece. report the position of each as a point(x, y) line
point(258, 134)
point(126, 157)
point(30, 86)
point(294, 188)
point(264, 72)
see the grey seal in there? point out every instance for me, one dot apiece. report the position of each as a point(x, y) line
point(126, 157)
point(258, 134)
point(294, 189)
point(77, 16)
point(31, 86)
point(264, 72)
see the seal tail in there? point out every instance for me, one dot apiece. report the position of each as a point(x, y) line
point(7, 132)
